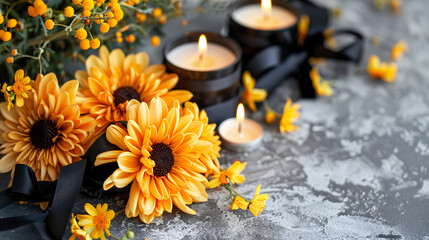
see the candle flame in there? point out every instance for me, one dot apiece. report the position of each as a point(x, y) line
point(266, 8)
point(202, 46)
point(240, 112)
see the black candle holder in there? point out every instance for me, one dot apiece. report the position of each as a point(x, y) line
point(208, 87)
point(253, 40)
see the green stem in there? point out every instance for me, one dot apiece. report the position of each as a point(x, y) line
point(232, 190)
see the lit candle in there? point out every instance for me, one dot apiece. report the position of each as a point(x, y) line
point(201, 56)
point(264, 16)
point(240, 134)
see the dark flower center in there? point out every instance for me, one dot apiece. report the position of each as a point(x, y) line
point(124, 94)
point(163, 157)
point(42, 132)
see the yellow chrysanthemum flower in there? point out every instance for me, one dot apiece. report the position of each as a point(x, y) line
point(323, 88)
point(47, 132)
point(97, 221)
point(209, 158)
point(251, 94)
point(398, 50)
point(239, 202)
point(8, 96)
point(270, 116)
point(381, 70)
point(233, 174)
point(21, 87)
point(112, 79)
point(258, 202)
point(78, 232)
point(160, 151)
point(290, 114)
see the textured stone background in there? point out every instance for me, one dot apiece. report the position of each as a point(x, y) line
point(355, 169)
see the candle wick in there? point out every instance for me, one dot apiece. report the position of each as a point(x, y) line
point(239, 127)
point(201, 57)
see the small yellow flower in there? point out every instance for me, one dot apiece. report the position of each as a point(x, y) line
point(381, 70)
point(323, 88)
point(396, 6)
point(118, 34)
point(77, 231)
point(77, 2)
point(40, 7)
point(119, 14)
point(140, 17)
point(98, 220)
point(163, 19)
point(32, 11)
point(9, 60)
point(252, 94)
point(112, 22)
point(156, 12)
point(290, 114)
point(155, 41)
point(11, 23)
point(130, 38)
point(86, 13)
point(258, 202)
point(100, 2)
point(88, 4)
point(398, 50)
point(68, 11)
point(49, 24)
point(270, 116)
point(239, 202)
point(7, 36)
point(233, 174)
point(104, 27)
point(119, 39)
point(21, 87)
point(81, 34)
point(14, 52)
point(1, 18)
point(303, 25)
point(85, 44)
point(95, 43)
point(8, 96)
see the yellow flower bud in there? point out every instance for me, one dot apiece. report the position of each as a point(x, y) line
point(85, 44)
point(14, 52)
point(155, 41)
point(9, 60)
point(156, 12)
point(270, 117)
point(11, 23)
point(95, 43)
point(112, 22)
point(49, 24)
point(86, 13)
point(104, 28)
point(130, 38)
point(7, 36)
point(68, 11)
point(81, 34)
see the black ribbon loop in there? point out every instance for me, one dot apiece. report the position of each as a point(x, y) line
point(61, 193)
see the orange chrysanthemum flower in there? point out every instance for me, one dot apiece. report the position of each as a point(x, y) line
point(210, 158)
point(160, 156)
point(112, 79)
point(47, 132)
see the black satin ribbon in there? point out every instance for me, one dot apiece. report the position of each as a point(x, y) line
point(96, 175)
point(61, 195)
